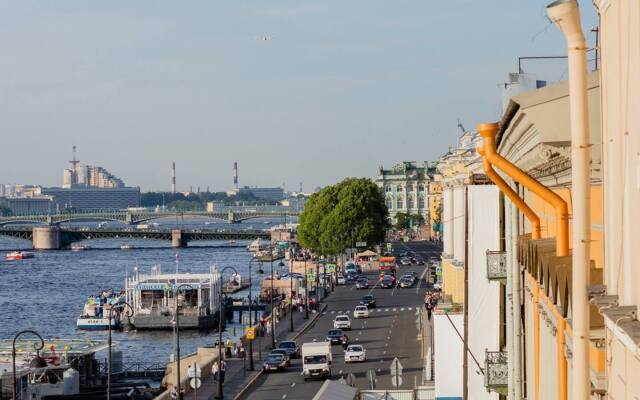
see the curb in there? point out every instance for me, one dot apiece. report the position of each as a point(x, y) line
point(304, 328)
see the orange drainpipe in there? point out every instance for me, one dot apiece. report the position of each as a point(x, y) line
point(536, 335)
point(488, 132)
point(513, 196)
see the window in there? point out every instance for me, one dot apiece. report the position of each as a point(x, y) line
point(411, 203)
point(400, 188)
point(389, 203)
point(399, 202)
point(410, 188)
point(387, 189)
point(421, 202)
point(421, 188)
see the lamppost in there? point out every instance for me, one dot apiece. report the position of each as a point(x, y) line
point(120, 306)
point(306, 289)
point(176, 292)
point(219, 395)
point(290, 295)
point(13, 356)
point(273, 320)
point(260, 272)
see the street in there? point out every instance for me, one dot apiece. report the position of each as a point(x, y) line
point(391, 331)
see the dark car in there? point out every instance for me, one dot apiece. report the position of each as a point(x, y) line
point(335, 336)
point(387, 282)
point(275, 362)
point(290, 346)
point(362, 283)
point(368, 300)
point(284, 353)
point(352, 276)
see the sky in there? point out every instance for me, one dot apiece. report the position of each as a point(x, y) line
point(337, 89)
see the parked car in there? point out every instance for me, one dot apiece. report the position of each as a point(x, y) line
point(341, 280)
point(361, 312)
point(362, 283)
point(285, 354)
point(342, 322)
point(335, 336)
point(369, 301)
point(274, 362)
point(290, 346)
point(355, 353)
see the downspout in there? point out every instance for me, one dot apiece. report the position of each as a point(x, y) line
point(566, 15)
point(488, 132)
point(513, 196)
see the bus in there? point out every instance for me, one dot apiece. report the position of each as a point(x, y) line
point(387, 266)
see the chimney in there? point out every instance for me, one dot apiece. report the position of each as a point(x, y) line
point(173, 177)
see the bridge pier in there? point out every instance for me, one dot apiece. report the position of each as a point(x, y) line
point(47, 238)
point(177, 240)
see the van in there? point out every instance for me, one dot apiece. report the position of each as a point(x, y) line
point(316, 360)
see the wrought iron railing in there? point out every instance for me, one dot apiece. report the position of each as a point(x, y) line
point(496, 371)
point(496, 265)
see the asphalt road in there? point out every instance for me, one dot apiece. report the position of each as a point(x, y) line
point(390, 331)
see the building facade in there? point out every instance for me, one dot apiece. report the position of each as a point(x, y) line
point(406, 188)
point(264, 193)
point(90, 198)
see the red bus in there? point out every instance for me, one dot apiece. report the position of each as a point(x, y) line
point(387, 266)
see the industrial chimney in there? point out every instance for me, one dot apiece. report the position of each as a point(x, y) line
point(173, 177)
point(235, 174)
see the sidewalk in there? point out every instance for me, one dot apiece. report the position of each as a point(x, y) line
point(237, 375)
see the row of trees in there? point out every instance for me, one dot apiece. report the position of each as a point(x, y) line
point(193, 201)
point(407, 221)
point(340, 215)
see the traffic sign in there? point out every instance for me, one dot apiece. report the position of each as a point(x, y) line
point(372, 379)
point(195, 383)
point(351, 379)
point(251, 333)
point(396, 368)
point(396, 380)
point(194, 371)
point(331, 268)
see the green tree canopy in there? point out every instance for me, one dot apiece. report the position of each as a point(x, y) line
point(350, 211)
point(402, 220)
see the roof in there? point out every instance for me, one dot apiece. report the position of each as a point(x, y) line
point(332, 390)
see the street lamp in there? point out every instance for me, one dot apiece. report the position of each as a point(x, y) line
point(260, 272)
point(176, 292)
point(13, 356)
point(219, 395)
point(273, 320)
point(121, 307)
point(291, 295)
point(306, 289)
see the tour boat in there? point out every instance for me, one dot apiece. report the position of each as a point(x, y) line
point(95, 315)
point(79, 247)
point(18, 255)
point(258, 245)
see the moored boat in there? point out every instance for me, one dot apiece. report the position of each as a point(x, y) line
point(79, 247)
point(18, 255)
point(126, 247)
point(95, 314)
point(258, 245)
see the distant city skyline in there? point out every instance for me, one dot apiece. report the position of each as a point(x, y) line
point(338, 89)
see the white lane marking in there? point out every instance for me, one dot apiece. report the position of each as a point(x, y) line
point(378, 310)
point(384, 352)
point(293, 384)
point(340, 372)
point(394, 310)
point(389, 332)
point(284, 396)
point(386, 345)
point(402, 309)
point(332, 312)
point(388, 337)
point(386, 309)
point(360, 333)
point(379, 368)
point(357, 338)
point(409, 308)
point(421, 279)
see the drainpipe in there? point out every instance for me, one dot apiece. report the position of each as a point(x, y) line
point(516, 287)
point(488, 132)
point(566, 15)
point(513, 196)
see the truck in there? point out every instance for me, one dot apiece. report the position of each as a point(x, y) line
point(316, 360)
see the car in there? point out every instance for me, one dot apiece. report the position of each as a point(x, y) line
point(335, 336)
point(361, 312)
point(285, 354)
point(274, 362)
point(351, 268)
point(290, 346)
point(352, 276)
point(406, 282)
point(387, 282)
point(405, 261)
point(342, 322)
point(362, 283)
point(410, 277)
point(355, 353)
point(340, 280)
point(418, 261)
point(369, 301)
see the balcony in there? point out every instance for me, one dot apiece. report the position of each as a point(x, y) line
point(496, 371)
point(497, 266)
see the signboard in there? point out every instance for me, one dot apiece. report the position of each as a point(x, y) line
point(361, 244)
point(311, 276)
point(396, 380)
point(195, 383)
point(161, 286)
point(389, 247)
point(439, 270)
point(331, 268)
point(194, 371)
point(396, 368)
point(251, 333)
point(283, 244)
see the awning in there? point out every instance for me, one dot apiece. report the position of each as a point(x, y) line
point(367, 253)
point(332, 390)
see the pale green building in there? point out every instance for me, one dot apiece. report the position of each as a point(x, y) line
point(406, 188)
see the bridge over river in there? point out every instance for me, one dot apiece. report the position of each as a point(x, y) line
point(60, 237)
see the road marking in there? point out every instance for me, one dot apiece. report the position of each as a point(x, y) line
point(360, 333)
point(394, 310)
point(293, 384)
point(386, 345)
point(284, 396)
point(388, 337)
point(384, 352)
point(402, 309)
point(340, 372)
point(378, 310)
point(357, 338)
point(332, 312)
point(386, 309)
point(379, 368)
point(409, 308)
point(421, 279)
point(389, 332)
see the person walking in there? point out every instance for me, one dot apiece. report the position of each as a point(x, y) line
point(223, 370)
point(174, 394)
point(214, 371)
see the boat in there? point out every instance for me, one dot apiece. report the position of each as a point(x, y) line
point(270, 254)
point(126, 247)
point(235, 284)
point(95, 315)
point(258, 245)
point(18, 255)
point(153, 300)
point(79, 247)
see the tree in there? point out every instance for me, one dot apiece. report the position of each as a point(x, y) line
point(406, 221)
point(350, 211)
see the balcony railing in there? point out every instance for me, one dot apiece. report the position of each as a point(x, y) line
point(496, 371)
point(496, 265)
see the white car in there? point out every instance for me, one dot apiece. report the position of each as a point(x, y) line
point(342, 322)
point(355, 353)
point(341, 280)
point(361, 312)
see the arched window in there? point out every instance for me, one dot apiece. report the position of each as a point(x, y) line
point(421, 188)
point(399, 202)
point(421, 202)
point(410, 188)
point(387, 189)
point(389, 203)
point(400, 188)
point(410, 202)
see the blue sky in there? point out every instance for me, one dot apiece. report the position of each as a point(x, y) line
point(340, 88)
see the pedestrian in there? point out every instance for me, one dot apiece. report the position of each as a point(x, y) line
point(214, 371)
point(174, 394)
point(223, 370)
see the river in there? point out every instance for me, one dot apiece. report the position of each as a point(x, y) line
point(47, 293)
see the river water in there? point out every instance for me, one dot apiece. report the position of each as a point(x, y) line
point(47, 293)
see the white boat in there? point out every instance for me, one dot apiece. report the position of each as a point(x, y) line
point(258, 245)
point(79, 247)
point(18, 255)
point(97, 324)
point(95, 314)
point(126, 247)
